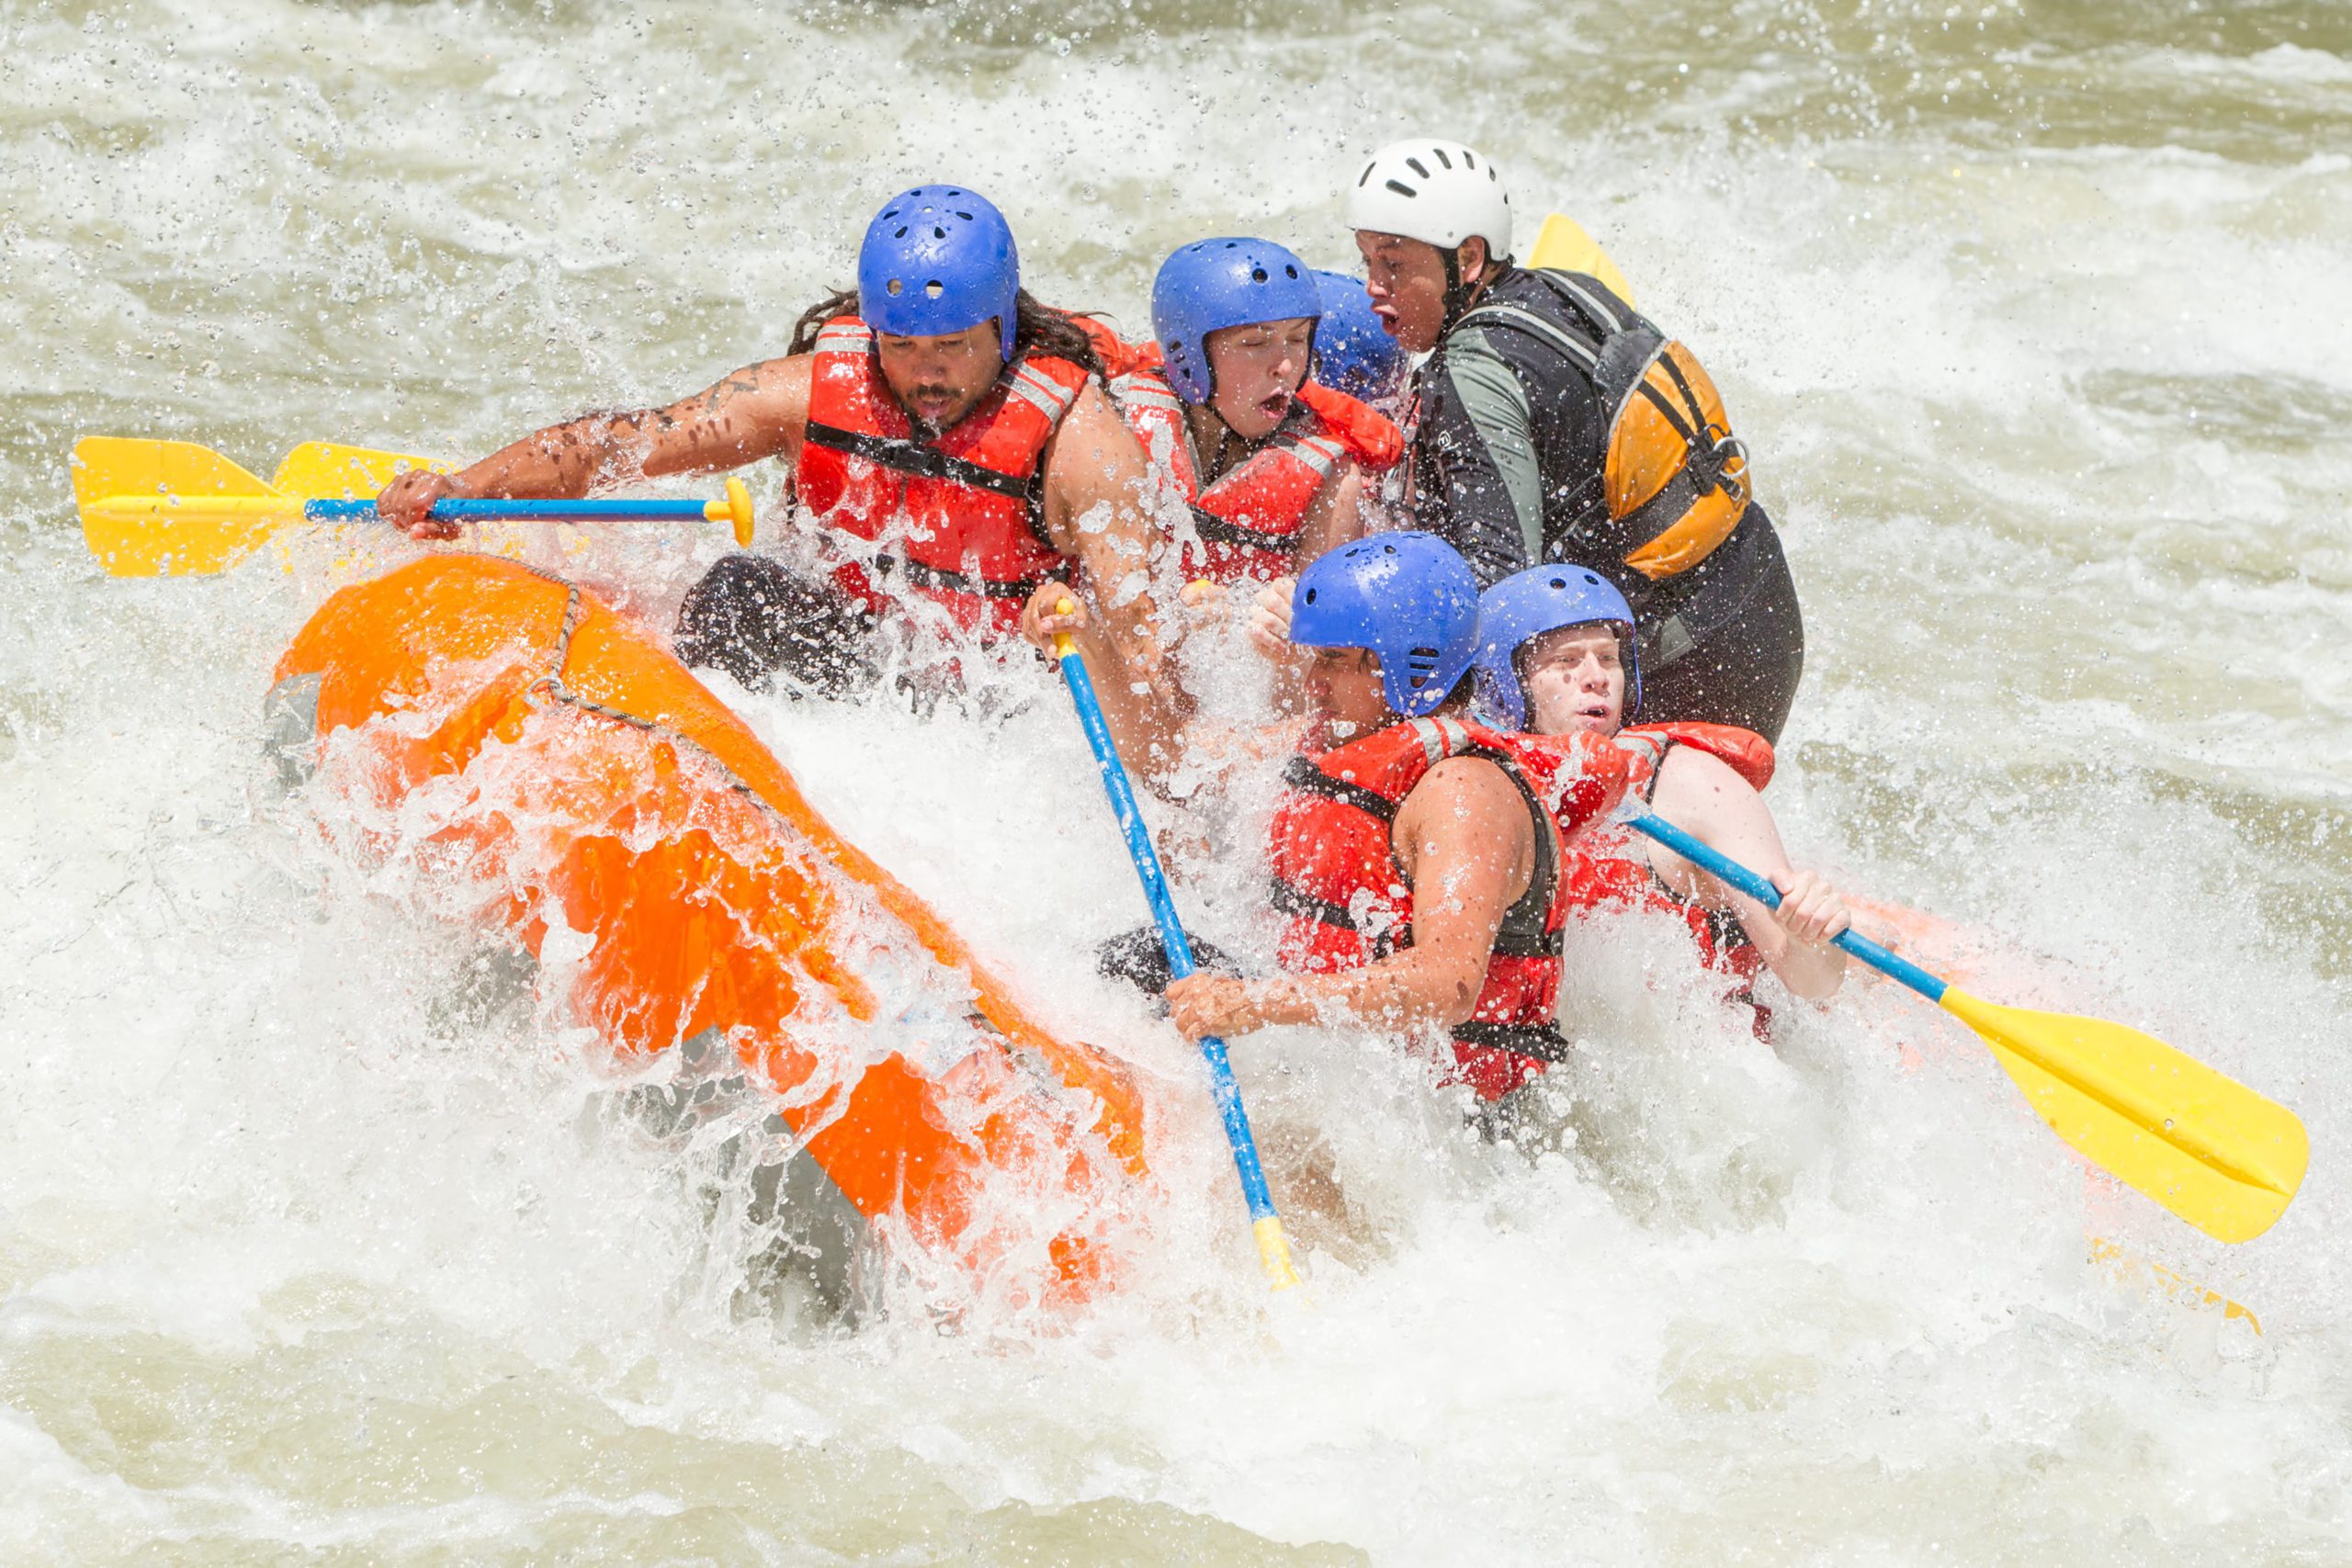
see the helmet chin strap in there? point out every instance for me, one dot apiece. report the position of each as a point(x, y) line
point(1455, 294)
point(1458, 290)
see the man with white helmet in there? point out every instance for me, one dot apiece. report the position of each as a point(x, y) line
point(1554, 423)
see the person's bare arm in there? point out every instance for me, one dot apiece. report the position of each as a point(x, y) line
point(1340, 514)
point(1466, 841)
point(1096, 488)
point(1703, 795)
point(757, 411)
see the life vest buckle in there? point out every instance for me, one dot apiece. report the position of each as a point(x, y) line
point(1718, 462)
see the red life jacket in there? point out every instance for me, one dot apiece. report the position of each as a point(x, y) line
point(1607, 867)
point(962, 516)
point(1336, 877)
point(1579, 777)
point(1248, 520)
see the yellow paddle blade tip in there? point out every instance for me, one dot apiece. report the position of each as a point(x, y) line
point(1563, 246)
point(2212, 1151)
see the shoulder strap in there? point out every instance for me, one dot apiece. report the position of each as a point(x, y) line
point(1579, 349)
point(1302, 775)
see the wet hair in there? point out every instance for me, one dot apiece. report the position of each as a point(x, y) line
point(1036, 328)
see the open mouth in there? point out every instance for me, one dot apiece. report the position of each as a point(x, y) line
point(1276, 407)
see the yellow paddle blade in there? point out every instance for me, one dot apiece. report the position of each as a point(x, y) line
point(329, 470)
point(2207, 1148)
point(1563, 246)
point(2125, 1264)
point(158, 508)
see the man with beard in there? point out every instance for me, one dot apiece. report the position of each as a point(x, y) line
point(946, 432)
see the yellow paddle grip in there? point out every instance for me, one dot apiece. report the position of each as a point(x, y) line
point(736, 509)
point(1273, 1251)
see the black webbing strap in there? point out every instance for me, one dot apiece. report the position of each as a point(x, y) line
point(913, 457)
point(1541, 1041)
point(1291, 900)
point(1224, 531)
point(923, 576)
point(1300, 774)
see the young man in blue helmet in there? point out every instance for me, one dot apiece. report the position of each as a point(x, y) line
point(1269, 463)
point(1557, 657)
point(1554, 423)
point(942, 426)
point(1419, 874)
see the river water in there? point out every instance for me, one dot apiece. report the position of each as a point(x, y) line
point(313, 1248)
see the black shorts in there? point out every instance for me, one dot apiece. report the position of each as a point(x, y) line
point(1741, 649)
point(757, 618)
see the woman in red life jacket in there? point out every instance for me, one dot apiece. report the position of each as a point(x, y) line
point(1268, 462)
point(1555, 657)
point(943, 430)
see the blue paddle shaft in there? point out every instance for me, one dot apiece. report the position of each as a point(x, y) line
point(1737, 875)
point(1172, 939)
point(511, 511)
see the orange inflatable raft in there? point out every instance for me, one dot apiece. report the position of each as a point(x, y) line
point(533, 746)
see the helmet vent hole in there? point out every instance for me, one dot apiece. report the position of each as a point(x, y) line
point(1290, 272)
point(902, 233)
point(964, 216)
point(890, 214)
point(895, 287)
point(933, 289)
point(1401, 188)
point(1439, 153)
point(1257, 274)
point(937, 232)
point(1559, 583)
point(1310, 594)
point(1365, 178)
point(1470, 160)
point(1417, 167)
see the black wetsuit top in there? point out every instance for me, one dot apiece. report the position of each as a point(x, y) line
point(1509, 454)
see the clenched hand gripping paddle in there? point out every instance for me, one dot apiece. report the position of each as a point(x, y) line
point(171, 508)
point(1273, 1248)
point(2205, 1146)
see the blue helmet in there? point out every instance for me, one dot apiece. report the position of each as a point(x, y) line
point(1212, 284)
point(1409, 597)
point(1527, 604)
point(938, 259)
point(1353, 353)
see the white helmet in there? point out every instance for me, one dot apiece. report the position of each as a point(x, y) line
point(1438, 192)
